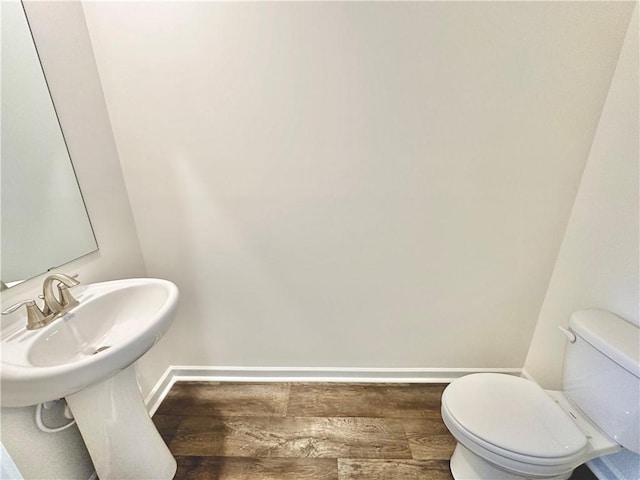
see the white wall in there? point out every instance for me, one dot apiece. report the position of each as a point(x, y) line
point(597, 266)
point(364, 184)
point(63, 43)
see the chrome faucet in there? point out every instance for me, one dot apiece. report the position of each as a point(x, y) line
point(36, 318)
point(65, 301)
point(53, 307)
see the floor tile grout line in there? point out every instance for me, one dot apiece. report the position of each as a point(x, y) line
point(406, 438)
point(288, 400)
point(285, 416)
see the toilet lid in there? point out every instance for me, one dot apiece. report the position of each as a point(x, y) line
point(514, 414)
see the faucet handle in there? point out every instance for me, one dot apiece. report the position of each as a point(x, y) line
point(66, 299)
point(35, 317)
point(16, 306)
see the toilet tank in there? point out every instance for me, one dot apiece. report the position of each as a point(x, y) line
point(601, 374)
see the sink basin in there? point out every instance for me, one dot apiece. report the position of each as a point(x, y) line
point(88, 357)
point(114, 325)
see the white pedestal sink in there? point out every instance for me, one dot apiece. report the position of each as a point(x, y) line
point(87, 356)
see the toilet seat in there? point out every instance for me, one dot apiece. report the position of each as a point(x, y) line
point(512, 422)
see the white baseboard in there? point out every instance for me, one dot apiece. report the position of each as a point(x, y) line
point(184, 373)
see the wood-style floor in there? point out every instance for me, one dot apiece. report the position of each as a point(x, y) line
point(319, 431)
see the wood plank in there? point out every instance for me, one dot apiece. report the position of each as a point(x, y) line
point(267, 437)
point(238, 468)
point(365, 400)
point(166, 425)
point(226, 399)
point(375, 469)
point(429, 438)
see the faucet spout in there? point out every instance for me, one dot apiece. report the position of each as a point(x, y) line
point(66, 301)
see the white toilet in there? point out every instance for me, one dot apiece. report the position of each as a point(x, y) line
point(508, 428)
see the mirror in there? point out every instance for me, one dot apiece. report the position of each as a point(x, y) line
point(44, 222)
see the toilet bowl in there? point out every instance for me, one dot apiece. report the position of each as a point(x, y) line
point(509, 428)
point(517, 429)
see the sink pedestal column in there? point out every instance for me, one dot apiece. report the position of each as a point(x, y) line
point(121, 438)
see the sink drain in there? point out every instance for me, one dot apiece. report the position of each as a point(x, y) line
point(101, 349)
